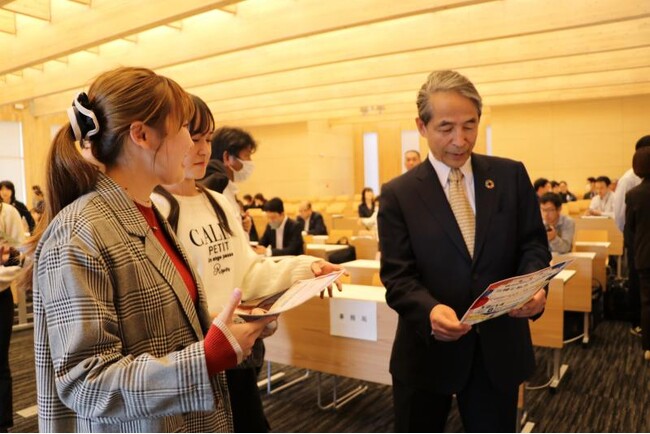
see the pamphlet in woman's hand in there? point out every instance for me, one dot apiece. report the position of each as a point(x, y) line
point(297, 294)
point(505, 295)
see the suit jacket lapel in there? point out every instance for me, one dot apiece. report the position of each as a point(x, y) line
point(434, 198)
point(163, 263)
point(485, 191)
point(135, 224)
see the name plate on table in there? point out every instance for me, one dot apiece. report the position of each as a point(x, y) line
point(356, 319)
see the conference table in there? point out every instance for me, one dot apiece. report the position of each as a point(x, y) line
point(614, 235)
point(362, 270)
point(305, 339)
point(323, 250)
point(548, 330)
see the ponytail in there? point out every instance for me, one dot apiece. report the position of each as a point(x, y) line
point(68, 176)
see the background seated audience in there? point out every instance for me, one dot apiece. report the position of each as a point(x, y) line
point(283, 236)
point(591, 192)
point(367, 205)
point(565, 194)
point(258, 201)
point(542, 185)
point(311, 221)
point(559, 228)
point(602, 204)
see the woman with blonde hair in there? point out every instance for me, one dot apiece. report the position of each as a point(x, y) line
point(123, 337)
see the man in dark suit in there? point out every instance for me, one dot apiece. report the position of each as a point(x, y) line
point(311, 221)
point(447, 229)
point(283, 235)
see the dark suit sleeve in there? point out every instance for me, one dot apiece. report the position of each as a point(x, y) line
point(266, 237)
point(301, 223)
point(532, 241)
point(405, 292)
point(292, 240)
point(630, 224)
point(316, 225)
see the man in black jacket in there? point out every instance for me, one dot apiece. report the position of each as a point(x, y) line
point(447, 229)
point(311, 221)
point(283, 235)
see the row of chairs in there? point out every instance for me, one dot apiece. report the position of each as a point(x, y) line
point(366, 245)
point(576, 208)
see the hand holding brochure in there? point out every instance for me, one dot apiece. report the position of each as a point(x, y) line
point(505, 295)
point(297, 294)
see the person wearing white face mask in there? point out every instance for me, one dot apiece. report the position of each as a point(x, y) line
point(231, 162)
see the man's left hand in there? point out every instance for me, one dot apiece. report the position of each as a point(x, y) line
point(533, 307)
point(322, 267)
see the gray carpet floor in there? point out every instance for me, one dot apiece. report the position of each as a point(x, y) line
point(606, 389)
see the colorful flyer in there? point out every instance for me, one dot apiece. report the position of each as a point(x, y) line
point(505, 295)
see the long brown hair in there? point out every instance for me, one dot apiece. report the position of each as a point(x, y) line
point(117, 98)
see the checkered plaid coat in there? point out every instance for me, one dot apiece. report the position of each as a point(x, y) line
point(118, 340)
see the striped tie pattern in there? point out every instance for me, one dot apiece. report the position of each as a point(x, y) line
point(462, 209)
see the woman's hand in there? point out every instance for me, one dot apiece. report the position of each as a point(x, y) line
point(244, 332)
point(322, 267)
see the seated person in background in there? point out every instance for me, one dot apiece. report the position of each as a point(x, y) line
point(247, 222)
point(555, 187)
point(283, 236)
point(603, 203)
point(565, 194)
point(592, 188)
point(258, 201)
point(367, 205)
point(559, 228)
point(411, 159)
point(311, 221)
point(370, 223)
point(542, 185)
point(248, 202)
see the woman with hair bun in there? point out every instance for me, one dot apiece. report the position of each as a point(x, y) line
point(123, 338)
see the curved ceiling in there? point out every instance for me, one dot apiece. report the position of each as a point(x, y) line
point(277, 61)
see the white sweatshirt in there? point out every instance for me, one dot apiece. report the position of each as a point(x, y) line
point(226, 262)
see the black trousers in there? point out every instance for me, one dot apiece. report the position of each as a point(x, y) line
point(483, 407)
point(644, 286)
point(6, 324)
point(633, 286)
point(247, 409)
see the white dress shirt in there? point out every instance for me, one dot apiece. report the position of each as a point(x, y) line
point(604, 205)
point(279, 235)
point(627, 182)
